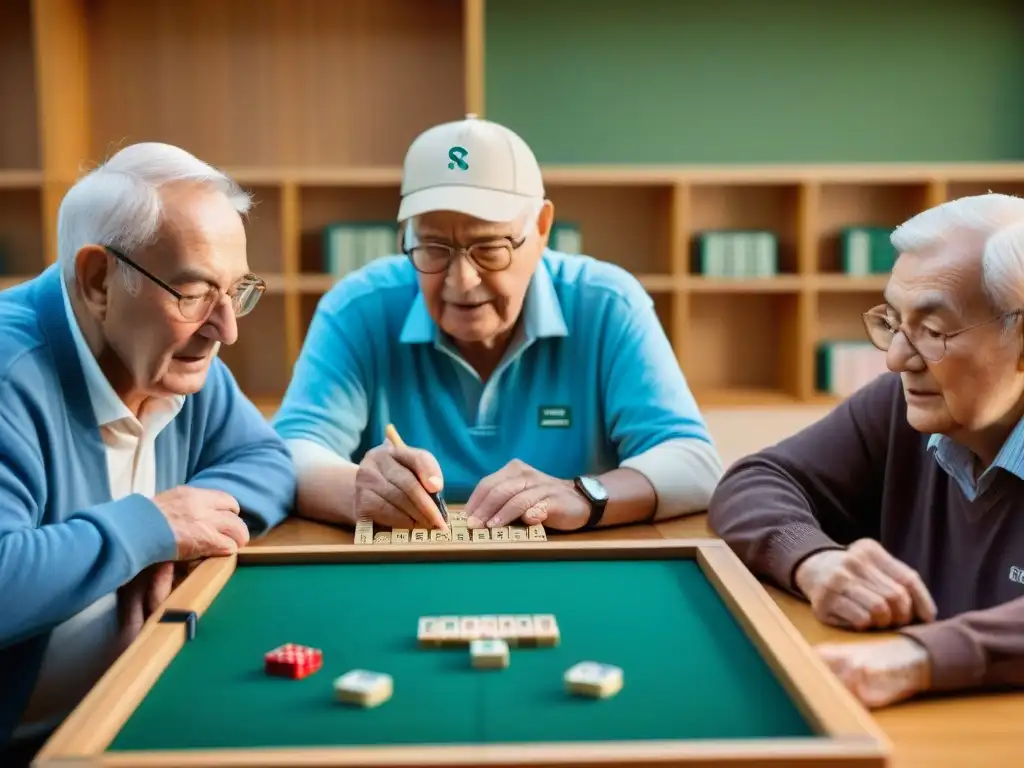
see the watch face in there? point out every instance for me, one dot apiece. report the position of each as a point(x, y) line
point(594, 487)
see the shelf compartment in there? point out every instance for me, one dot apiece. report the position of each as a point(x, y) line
point(742, 342)
point(21, 233)
point(263, 231)
point(258, 359)
point(322, 206)
point(763, 207)
point(967, 188)
point(851, 361)
point(19, 143)
point(627, 225)
point(862, 205)
point(279, 82)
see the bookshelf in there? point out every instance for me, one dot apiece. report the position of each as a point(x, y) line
point(311, 105)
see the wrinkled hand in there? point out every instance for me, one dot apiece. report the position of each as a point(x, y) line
point(518, 491)
point(863, 587)
point(141, 597)
point(392, 485)
point(879, 672)
point(205, 523)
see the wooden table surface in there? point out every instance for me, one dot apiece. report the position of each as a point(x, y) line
point(976, 731)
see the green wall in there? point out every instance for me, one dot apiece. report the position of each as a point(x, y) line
point(745, 81)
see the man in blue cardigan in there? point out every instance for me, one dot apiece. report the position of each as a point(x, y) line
point(125, 443)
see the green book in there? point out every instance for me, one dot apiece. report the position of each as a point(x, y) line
point(866, 250)
point(566, 237)
point(736, 254)
point(351, 245)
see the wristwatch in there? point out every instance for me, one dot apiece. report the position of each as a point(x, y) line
point(593, 490)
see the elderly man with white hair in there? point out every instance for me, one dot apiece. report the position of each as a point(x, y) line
point(901, 509)
point(533, 386)
point(125, 443)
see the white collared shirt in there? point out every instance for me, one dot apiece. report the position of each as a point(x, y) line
point(82, 648)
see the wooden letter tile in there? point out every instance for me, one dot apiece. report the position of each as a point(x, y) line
point(488, 628)
point(481, 534)
point(545, 628)
point(525, 633)
point(499, 534)
point(400, 536)
point(537, 533)
point(420, 536)
point(469, 628)
point(517, 532)
point(507, 629)
point(451, 629)
point(364, 533)
point(429, 631)
point(437, 535)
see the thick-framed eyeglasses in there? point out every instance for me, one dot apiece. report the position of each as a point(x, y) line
point(244, 295)
point(930, 345)
point(490, 256)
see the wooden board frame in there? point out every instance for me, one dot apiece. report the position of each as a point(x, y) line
point(848, 736)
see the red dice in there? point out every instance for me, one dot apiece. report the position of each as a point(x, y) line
point(294, 661)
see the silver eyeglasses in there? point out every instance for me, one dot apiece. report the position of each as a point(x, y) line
point(930, 345)
point(244, 296)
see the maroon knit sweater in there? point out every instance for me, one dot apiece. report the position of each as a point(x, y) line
point(864, 472)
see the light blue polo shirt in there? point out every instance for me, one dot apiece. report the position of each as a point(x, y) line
point(588, 381)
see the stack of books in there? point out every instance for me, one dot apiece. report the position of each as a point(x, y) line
point(846, 366)
point(867, 251)
point(351, 245)
point(565, 237)
point(736, 253)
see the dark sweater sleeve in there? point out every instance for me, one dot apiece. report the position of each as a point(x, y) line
point(819, 489)
point(977, 649)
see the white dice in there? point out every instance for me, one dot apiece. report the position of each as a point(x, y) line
point(367, 689)
point(589, 678)
point(489, 653)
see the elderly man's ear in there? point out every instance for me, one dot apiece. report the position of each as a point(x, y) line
point(94, 269)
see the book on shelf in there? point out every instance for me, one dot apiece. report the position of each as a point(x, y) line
point(846, 366)
point(867, 251)
point(565, 237)
point(351, 245)
point(737, 253)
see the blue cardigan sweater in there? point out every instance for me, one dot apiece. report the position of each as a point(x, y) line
point(63, 542)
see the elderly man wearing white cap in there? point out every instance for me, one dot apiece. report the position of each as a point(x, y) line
point(529, 385)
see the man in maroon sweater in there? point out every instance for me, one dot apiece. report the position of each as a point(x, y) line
point(903, 509)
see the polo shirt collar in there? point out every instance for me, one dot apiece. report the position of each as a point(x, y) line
point(958, 461)
point(542, 313)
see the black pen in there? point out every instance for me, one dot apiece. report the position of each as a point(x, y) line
point(396, 439)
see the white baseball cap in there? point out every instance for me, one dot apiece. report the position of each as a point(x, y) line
point(472, 166)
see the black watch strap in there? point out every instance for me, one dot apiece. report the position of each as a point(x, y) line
point(593, 490)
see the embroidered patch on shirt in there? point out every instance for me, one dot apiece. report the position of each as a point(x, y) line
point(555, 416)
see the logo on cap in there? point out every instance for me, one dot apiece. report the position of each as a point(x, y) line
point(457, 155)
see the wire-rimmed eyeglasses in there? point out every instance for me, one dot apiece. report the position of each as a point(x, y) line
point(930, 345)
point(490, 256)
point(244, 295)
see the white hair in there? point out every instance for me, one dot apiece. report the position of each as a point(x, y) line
point(119, 203)
point(997, 217)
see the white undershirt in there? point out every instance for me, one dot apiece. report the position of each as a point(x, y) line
point(82, 648)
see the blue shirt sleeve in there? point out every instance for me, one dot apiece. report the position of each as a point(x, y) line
point(327, 400)
point(240, 454)
point(48, 573)
point(646, 398)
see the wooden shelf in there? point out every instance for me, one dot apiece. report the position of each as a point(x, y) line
point(312, 105)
